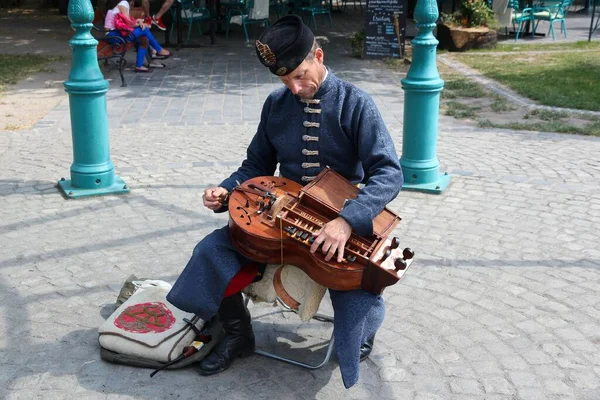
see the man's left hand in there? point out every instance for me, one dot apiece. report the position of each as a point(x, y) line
point(334, 236)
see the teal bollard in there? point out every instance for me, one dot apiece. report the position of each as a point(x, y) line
point(92, 171)
point(422, 87)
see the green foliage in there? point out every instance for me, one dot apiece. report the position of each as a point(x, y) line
point(357, 42)
point(473, 13)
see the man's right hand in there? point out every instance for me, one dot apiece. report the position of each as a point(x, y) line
point(211, 197)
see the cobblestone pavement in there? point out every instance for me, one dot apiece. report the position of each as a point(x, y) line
point(501, 303)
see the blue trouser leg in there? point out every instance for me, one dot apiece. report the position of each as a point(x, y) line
point(201, 285)
point(141, 54)
point(200, 288)
point(357, 316)
point(113, 33)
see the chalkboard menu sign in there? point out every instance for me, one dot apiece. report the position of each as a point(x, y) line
point(381, 38)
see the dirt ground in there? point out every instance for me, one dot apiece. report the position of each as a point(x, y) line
point(40, 31)
point(25, 103)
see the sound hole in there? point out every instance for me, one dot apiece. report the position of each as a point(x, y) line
point(242, 215)
point(273, 184)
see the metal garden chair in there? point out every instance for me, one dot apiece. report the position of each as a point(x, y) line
point(255, 12)
point(317, 7)
point(190, 14)
point(552, 13)
point(521, 17)
point(278, 7)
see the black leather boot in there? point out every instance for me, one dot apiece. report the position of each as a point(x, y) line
point(366, 348)
point(238, 340)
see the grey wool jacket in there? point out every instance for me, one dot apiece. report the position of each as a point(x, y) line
point(340, 128)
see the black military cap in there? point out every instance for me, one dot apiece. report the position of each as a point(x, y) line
point(284, 45)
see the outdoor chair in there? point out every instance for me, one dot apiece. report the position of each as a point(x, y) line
point(228, 5)
point(191, 14)
point(520, 18)
point(552, 12)
point(301, 288)
point(317, 7)
point(255, 12)
point(279, 7)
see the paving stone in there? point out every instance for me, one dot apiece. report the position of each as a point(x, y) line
point(523, 379)
point(498, 385)
point(584, 379)
point(465, 386)
point(394, 374)
point(532, 394)
point(502, 301)
point(558, 387)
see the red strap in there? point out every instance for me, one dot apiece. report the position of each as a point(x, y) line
point(242, 279)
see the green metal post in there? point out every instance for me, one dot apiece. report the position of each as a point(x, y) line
point(92, 171)
point(422, 87)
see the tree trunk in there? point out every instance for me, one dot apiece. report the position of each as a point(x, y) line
point(456, 38)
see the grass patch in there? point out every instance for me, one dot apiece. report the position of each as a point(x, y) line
point(563, 79)
point(501, 105)
point(547, 115)
point(592, 129)
point(448, 95)
point(400, 64)
point(547, 75)
point(508, 46)
point(15, 67)
point(464, 88)
point(456, 85)
point(459, 110)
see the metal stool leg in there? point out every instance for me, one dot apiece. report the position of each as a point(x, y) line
point(318, 317)
point(298, 363)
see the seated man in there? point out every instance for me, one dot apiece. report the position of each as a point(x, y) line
point(316, 120)
point(156, 19)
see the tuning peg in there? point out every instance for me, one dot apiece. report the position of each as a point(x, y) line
point(407, 253)
point(395, 243)
point(400, 264)
point(387, 253)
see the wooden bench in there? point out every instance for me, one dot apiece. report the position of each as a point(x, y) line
point(112, 51)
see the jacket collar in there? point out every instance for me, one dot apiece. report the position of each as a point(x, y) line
point(327, 84)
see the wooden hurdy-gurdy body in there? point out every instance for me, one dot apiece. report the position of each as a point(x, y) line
point(272, 220)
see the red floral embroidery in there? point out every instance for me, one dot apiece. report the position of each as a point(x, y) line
point(152, 317)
